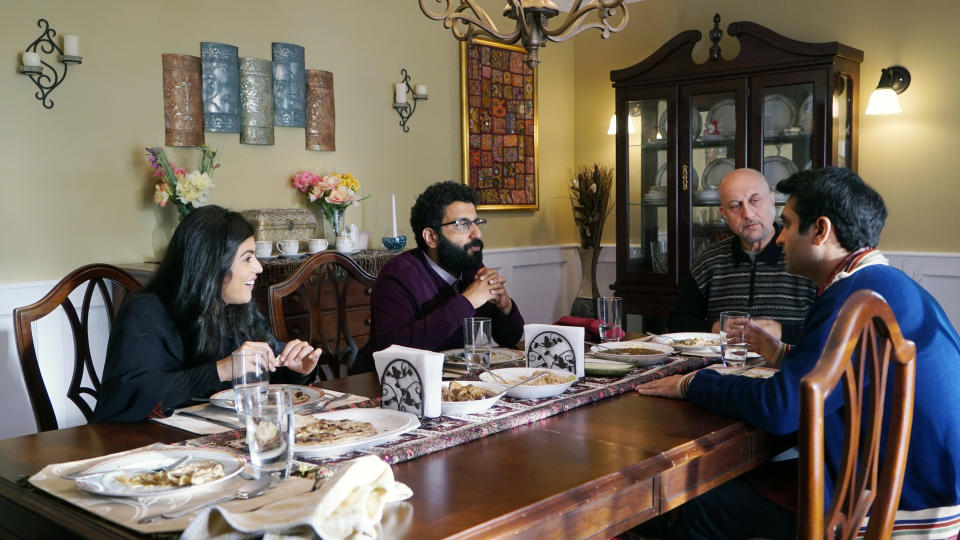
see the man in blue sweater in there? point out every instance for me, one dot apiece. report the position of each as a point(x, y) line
point(832, 223)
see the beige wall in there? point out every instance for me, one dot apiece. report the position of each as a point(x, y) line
point(76, 187)
point(911, 158)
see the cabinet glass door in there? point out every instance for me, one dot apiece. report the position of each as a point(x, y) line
point(713, 135)
point(787, 132)
point(649, 181)
point(843, 120)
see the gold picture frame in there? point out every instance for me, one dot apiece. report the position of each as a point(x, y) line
point(498, 107)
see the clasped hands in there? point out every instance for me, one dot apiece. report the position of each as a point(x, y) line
point(488, 286)
point(297, 355)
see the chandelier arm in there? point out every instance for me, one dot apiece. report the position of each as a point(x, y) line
point(576, 21)
point(476, 24)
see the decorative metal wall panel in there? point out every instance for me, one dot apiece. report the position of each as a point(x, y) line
point(221, 87)
point(321, 114)
point(289, 85)
point(182, 100)
point(256, 101)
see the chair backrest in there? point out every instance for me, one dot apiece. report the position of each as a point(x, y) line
point(96, 278)
point(332, 294)
point(863, 344)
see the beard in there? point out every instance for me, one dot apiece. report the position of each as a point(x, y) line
point(458, 259)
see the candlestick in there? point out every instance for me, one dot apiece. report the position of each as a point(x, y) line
point(420, 90)
point(31, 59)
point(71, 45)
point(393, 206)
point(400, 93)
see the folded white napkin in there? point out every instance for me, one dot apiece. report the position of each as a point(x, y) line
point(349, 504)
point(554, 347)
point(410, 380)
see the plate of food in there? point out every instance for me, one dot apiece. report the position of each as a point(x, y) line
point(553, 383)
point(595, 367)
point(134, 475)
point(338, 432)
point(498, 356)
point(458, 398)
point(635, 352)
point(689, 341)
point(303, 396)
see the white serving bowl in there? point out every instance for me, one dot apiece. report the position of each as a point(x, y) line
point(460, 408)
point(601, 351)
point(530, 391)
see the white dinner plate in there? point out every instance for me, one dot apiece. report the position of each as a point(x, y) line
point(714, 352)
point(530, 390)
point(714, 172)
point(308, 396)
point(779, 113)
point(114, 469)
point(498, 356)
point(603, 351)
point(724, 113)
point(388, 423)
point(706, 339)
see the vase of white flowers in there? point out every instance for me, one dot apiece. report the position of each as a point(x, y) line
point(187, 190)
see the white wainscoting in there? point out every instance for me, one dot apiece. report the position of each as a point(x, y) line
point(542, 280)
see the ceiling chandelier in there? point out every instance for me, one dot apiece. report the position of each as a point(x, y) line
point(467, 20)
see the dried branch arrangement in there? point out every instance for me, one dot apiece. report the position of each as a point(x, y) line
point(590, 190)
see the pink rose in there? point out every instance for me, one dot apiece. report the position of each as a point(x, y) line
point(341, 195)
point(302, 180)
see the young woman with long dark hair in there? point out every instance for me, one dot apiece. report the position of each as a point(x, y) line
point(172, 341)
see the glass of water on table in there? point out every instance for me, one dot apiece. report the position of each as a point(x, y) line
point(733, 344)
point(610, 318)
point(267, 413)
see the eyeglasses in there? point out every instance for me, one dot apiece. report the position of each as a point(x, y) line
point(464, 224)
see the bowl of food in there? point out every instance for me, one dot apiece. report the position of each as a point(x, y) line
point(632, 352)
point(458, 398)
point(553, 382)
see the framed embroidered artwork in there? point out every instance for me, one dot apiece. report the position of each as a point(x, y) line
point(498, 105)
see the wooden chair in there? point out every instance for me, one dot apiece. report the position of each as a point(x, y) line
point(332, 296)
point(863, 344)
point(96, 278)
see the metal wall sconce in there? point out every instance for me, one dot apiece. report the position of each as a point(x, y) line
point(893, 80)
point(400, 103)
point(35, 67)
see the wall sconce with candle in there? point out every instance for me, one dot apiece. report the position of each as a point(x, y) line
point(401, 104)
point(893, 81)
point(44, 75)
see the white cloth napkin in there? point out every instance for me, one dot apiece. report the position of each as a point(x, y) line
point(411, 380)
point(545, 348)
point(348, 505)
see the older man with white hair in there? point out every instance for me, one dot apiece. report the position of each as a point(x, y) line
point(747, 271)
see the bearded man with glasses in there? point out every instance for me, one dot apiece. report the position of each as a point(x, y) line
point(422, 296)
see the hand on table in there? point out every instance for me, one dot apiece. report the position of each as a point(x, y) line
point(668, 387)
point(299, 356)
point(488, 286)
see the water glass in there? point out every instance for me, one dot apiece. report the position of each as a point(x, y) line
point(610, 318)
point(249, 368)
point(267, 412)
point(733, 343)
point(477, 341)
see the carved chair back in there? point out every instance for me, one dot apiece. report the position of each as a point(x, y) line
point(113, 284)
point(865, 352)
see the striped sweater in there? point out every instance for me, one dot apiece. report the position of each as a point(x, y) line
point(723, 278)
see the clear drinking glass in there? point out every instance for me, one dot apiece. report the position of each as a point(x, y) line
point(733, 344)
point(267, 412)
point(249, 369)
point(477, 341)
point(610, 317)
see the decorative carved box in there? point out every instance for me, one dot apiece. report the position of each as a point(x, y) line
point(275, 224)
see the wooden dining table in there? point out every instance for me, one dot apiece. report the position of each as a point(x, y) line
point(592, 472)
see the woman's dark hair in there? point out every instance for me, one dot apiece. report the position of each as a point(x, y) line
point(427, 211)
point(855, 209)
point(190, 279)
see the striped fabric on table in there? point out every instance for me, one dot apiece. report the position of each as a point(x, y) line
point(943, 522)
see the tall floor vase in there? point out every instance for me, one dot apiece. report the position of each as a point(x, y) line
point(585, 305)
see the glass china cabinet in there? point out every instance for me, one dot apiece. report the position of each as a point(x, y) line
point(778, 106)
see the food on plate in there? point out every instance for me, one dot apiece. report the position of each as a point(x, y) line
point(629, 350)
point(299, 396)
point(698, 342)
point(309, 429)
point(465, 392)
point(191, 473)
point(549, 378)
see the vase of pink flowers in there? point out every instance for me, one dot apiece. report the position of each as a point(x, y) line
point(187, 190)
point(332, 193)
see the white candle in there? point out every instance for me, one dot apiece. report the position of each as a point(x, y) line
point(393, 206)
point(71, 45)
point(31, 59)
point(421, 90)
point(400, 93)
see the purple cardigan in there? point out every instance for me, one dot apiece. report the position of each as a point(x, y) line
point(413, 306)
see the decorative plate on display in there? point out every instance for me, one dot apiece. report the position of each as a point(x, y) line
point(118, 472)
point(805, 114)
point(714, 172)
point(662, 177)
point(724, 113)
point(775, 169)
point(779, 113)
point(387, 423)
point(696, 124)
